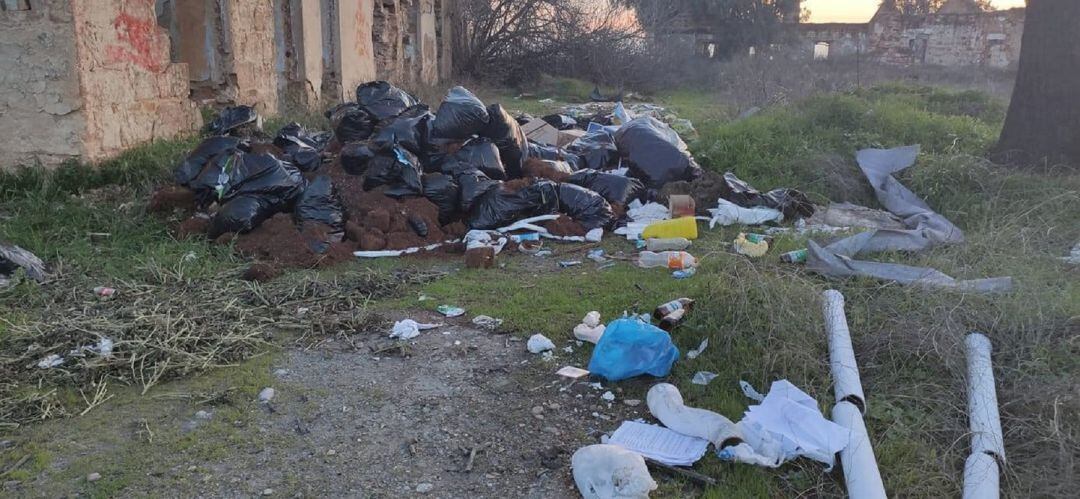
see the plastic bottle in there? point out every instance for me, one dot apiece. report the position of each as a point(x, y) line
point(671, 320)
point(674, 260)
point(667, 244)
point(671, 306)
point(680, 227)
point(797, 256)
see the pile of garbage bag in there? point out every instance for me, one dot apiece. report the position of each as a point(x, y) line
point(389, 172)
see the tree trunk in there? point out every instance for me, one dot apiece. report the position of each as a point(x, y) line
point(1043, 123)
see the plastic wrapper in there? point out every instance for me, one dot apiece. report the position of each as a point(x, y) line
point(383, 100)
point(355, 157)
point(194, 163)
point(397, 169)
point(498, 208)
point(630, 347)
point(792, 203)
point(351, 122)
point(586, 207)
point(460, 116)
point(655, 153)
point(614, 188)
point(444, 192)
point(560, 121)
point(231, 119)
point(597, 151)
point(507, 135)
point(320, 203)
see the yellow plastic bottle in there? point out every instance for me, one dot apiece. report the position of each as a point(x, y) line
point(678, 227)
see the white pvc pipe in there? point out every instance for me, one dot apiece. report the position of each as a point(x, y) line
point(987, 445)
point(845, 372)
point(861, 473)
point(981, 477)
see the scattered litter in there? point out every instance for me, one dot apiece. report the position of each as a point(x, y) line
point(703, 377)
point(572, 372)
point(670, 307)
point(594, 235)
point(753, 247)
point(750, 392)
point(605, 266)
point(674, 260)
point(486, 322)
point(568, 349)
point(608, 396)
point(666, 404)
point(925, 229)
point(604, 471)
point(569, 263)
point(787, 424)
point(659, 443)
point(105, 346)
point(1074, 255)
point(450, 310)
point(728, 213)
point(693, 354)
point(104, 292)
point(684, 274)
point(543, 253)
point(51, 360)
point(408, 329)
point(539, 343)
point(631, 347)
point(396, 253)
point(797, 256)
point(590, 329)
point(266, 395)
point(596, 255)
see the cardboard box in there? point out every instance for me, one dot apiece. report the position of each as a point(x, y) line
point(568, 136)
point(540, 132)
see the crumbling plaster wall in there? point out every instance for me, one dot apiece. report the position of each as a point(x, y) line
point(40, 106)
point(131, 91)
point(251, 50)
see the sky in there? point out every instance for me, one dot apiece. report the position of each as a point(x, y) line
point(860, 11)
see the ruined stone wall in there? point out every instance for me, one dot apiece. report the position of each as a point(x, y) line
point(844, 40)
point(131, 91)
point(251, 49)
point(40, 106)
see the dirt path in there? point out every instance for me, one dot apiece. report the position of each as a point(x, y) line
point(347, 423)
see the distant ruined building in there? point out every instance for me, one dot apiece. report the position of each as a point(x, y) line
point(87, 79)
point(958, 34)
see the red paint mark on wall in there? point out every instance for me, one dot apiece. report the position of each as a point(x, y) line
point(138, 39)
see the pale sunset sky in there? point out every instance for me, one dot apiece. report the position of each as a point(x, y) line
point(860, 11)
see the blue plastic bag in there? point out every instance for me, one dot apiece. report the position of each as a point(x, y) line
point(631, 347)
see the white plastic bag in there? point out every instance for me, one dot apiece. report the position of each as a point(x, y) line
point(605, 471)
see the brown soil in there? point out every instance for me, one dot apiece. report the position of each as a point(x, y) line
point(705, 191)
point(564, 226)
point(192, 227)
point(261, 272)
point(278, 240)
point(171, 197)
point(535, 167)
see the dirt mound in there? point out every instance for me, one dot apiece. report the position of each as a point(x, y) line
point(564, 226)
point(535, 167)
point(192, 227)
point(171, 197)
point(279, 240)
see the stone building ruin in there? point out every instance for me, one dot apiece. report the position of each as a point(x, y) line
point(87, 79)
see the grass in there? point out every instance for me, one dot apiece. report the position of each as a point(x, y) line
point(762, 317)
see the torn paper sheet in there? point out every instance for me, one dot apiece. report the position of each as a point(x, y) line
point(572, 372)
point(924, 229)
point(787, 424)
point(659, 443)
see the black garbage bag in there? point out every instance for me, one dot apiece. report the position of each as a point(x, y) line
point(231, 119)
point(294, 135)
point(228, 176)
point(614, 188)
point(586, 207)
point(397, 169)
point(499, 208)
point(477, 154)
point(383, 100)
point(655, 153)
point(443, 192)
point(320, 203)
point(596, 96)
point(242, 214)
point(194, 163)
point(473, 185)
point(792, 203)
point(355, 157)
point(351, 122)
point(408, 129)
point(508, 137)
point(552, 153)
point(560, 121)
point(460, 116)
point(597, 150)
